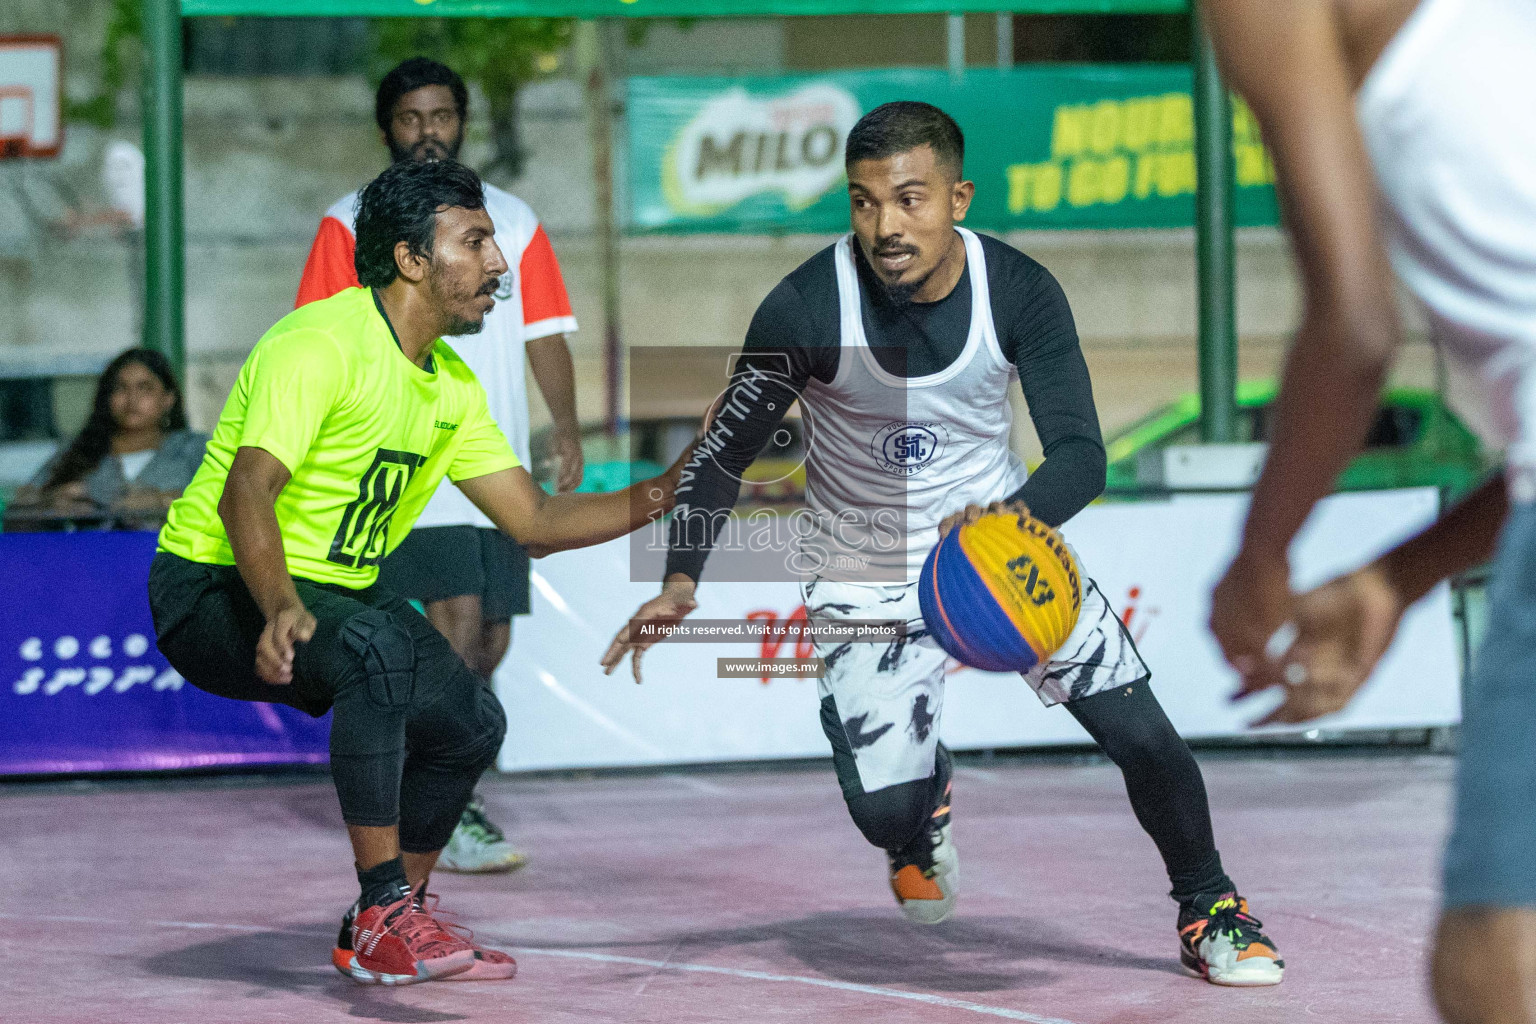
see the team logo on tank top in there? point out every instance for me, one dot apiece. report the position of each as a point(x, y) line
point(906, 449)
point(505, 285)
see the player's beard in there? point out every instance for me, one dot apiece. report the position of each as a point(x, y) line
point(900, 293)
point(426, 149)
point(458, 326)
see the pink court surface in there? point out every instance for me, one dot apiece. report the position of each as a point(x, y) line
point(727, 896)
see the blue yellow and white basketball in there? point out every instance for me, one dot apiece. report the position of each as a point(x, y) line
point(1002, 593)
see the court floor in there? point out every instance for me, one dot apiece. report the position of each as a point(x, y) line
point(726, 896)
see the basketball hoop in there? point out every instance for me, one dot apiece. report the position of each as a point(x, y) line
point(31, 97)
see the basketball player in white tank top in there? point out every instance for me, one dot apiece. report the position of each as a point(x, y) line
point(1404, 136)
point(902, 343)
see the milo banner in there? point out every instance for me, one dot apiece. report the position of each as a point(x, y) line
point(1048, 147)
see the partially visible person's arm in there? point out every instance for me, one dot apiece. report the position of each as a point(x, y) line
point(546, 523)
point(547, 319)
point(486, 469)
point(1345, 626)
point(1285, 57)
point(330, 267)
point(553, 371)
point(777, 362)
point(248, 509)
point(1045, 349)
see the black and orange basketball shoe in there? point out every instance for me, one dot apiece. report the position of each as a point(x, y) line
point(925, 875)
point(1224, 944)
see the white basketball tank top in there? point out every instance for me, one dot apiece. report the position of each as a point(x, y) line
point(1448, 116)
point(890, 457)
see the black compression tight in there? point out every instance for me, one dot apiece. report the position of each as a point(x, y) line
point(1162, 779)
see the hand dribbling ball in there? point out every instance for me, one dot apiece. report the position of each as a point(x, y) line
point(1002, 593)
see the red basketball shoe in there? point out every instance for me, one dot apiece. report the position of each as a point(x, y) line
point(490, 964)
point(398, 944)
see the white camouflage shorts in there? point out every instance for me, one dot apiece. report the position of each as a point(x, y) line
point(889, 696)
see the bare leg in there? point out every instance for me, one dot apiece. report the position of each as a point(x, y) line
point(1485, 965)
point(372, 845)
point(495, 638)
point(458, 619)
point(418, 868)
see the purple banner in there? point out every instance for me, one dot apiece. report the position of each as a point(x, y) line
point(82, 686)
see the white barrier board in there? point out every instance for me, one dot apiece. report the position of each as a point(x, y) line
point(1156, 561)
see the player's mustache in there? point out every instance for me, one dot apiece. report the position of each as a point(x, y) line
point(489, 288)
point(896, 250)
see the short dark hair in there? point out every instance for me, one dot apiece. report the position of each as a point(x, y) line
point(408, 76)
point(401, 205)
point(903, 126)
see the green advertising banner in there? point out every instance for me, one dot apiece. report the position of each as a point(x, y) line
point(1063, 146)
point(657, 8)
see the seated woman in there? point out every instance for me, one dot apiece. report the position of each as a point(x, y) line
point(132, 459)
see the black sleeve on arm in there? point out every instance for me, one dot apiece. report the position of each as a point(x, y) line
point(780, 356)
point(1043, 345)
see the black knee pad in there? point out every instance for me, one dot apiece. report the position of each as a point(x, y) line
point(388, 655)
point(494, 717)
point(474, 749)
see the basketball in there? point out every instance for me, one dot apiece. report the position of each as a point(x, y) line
point(1002, 593)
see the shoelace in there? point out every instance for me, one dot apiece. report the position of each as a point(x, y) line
point(1235, 921)
point(431, 905)
point(478, 820)
point(418, 929)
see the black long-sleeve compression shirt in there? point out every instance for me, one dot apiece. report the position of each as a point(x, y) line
point(794, 336)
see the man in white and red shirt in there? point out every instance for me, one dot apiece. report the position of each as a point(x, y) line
point(471, 578)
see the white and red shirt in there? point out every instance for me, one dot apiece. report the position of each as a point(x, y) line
point(531, 303)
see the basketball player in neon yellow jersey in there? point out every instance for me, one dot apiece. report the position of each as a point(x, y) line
point(345, 418)
point(1404, 137)
point(902, 343)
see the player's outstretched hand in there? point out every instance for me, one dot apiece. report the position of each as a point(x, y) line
point(971, 513)
point(664, 611)
point(274, 651)
point(1249, 607)
point(1342, 630)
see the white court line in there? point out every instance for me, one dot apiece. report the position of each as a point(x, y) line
point(608, 958)
point(70, 919)
point(843, 986)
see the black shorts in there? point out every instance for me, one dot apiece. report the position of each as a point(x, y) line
point(435, 563)
point(207, 625)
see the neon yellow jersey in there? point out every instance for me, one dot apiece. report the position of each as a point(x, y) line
point(367, 434)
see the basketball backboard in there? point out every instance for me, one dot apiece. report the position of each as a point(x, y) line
point(31, 96)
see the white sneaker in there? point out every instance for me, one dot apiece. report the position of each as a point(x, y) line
point(478, 846)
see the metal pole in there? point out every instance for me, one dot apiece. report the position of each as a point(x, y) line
point(164, 237)
point(592, 57)
point(955, 36)
point(1214, 248)
point(1004, 40)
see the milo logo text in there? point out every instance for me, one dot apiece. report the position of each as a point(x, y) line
point(740, 145)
